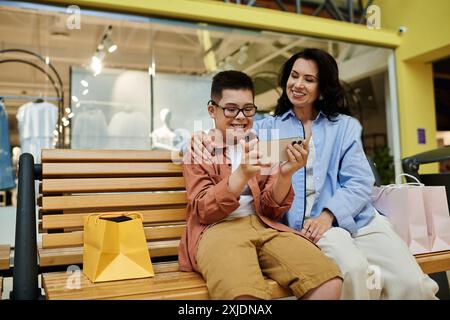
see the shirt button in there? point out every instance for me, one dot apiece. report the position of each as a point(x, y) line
point(317, 178)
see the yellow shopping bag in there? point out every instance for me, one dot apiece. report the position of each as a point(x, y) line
point(115, 248)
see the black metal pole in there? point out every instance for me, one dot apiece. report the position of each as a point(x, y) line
point(25, 276)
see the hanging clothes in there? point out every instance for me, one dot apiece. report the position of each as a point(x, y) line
point(129, 130)
point(37, 122)
point(89, 129)
point(7, 180)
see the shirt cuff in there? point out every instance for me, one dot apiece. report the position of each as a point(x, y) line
point(344, 220)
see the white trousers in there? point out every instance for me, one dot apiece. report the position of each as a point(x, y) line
point(376, 263)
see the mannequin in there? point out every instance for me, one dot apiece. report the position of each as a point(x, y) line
point(129, 126)
point(164, 137)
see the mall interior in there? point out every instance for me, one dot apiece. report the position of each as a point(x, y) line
point(135, 75)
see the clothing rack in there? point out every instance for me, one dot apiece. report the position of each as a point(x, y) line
point(30, 98)
point(107, 103)
point(57, 83)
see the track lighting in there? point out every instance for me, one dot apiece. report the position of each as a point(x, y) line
point(105, 45)
point(109, 45)
point(107, 42)
point(239, 56)
point(243, 55)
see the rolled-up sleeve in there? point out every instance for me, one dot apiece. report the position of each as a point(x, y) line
point(211, 199)
point(269, 207)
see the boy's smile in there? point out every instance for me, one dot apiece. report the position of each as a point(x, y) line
point(232, 129)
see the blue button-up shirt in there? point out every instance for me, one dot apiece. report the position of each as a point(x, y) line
point(342, 175)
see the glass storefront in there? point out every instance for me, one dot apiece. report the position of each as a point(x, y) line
point(134, 82)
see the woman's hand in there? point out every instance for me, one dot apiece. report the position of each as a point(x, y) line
point(202, 147)
point(314, 228)
point(298, 156)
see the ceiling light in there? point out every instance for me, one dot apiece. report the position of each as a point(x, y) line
point(84, 83)
point(243, 55)
point(107, 42)
point(109, 45)
point(96, 62)
point(96, 65)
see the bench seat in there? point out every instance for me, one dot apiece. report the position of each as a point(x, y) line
point(168, 283)
point(434, 262)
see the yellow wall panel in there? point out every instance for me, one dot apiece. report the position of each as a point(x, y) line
point(219, 12)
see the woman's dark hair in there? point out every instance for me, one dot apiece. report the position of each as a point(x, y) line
point(334, 100)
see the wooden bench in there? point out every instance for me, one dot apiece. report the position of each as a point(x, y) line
point(5, 251)
point(76, 183)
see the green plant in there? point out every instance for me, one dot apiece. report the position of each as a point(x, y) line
point(384, 163)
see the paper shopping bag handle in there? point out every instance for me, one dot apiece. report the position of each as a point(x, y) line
point(114, 215)
point(408, 183)
point(398, 185)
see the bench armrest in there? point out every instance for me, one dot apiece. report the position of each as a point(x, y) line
point(25, 276)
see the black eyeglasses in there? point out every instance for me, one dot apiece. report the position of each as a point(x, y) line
point(232, 111)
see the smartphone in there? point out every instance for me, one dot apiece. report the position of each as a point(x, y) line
point(275, 150)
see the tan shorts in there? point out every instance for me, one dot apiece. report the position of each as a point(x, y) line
point(233, 257)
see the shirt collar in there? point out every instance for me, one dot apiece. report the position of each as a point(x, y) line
point(290, 113)
point(287, 114)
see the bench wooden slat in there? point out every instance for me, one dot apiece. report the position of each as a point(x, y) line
point(161, 283)
point(141, 169)
point(71, 239)
point(434, 262)
point(74, 255)
point(71, 155)
point(4, 257)
point(166, 285)
point(112, 184)
point(76, 220)
point(113, 201)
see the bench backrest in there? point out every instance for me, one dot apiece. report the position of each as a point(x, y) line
point(4, 256)
point(76, 183)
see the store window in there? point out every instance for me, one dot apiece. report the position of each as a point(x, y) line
point(133, 82)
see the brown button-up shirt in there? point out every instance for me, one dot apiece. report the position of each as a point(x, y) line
point(210, 200)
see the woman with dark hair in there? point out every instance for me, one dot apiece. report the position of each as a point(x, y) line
point(332, 204)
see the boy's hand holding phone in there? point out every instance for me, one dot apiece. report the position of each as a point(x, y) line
point(251, 159)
